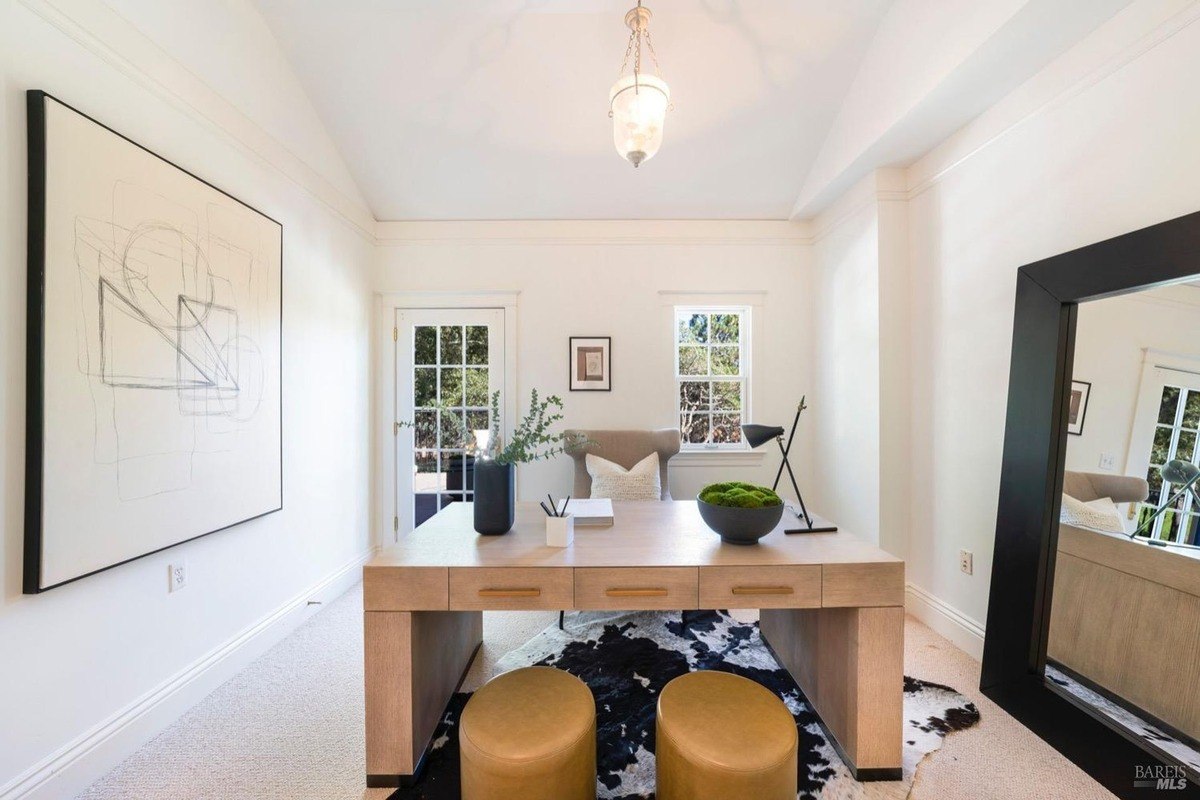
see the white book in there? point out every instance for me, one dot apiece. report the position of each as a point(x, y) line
point(589, 513)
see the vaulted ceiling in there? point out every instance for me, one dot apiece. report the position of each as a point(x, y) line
point(497, 109)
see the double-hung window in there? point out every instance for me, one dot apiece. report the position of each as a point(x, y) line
point(712, 375)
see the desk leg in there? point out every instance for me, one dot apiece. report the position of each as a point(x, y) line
point(850, 664)
point(414, 661)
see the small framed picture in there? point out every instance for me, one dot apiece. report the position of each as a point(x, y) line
point(591, 363)
point(1078, 406)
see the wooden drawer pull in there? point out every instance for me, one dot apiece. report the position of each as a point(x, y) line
point(649, 592)
point(763, 590)
point(510, 592)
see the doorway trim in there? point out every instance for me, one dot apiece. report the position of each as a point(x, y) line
point(384, 502)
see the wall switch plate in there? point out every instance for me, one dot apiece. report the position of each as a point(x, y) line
point(1108, 461)
point(966, 561)
point(176, 576)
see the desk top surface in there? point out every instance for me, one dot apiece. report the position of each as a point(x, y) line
point(643, 534)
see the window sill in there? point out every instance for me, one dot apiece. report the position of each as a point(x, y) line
point(723, 458)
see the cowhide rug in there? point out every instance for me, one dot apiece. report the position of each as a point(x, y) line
point(628, 657)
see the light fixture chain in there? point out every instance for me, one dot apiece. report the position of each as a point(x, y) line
point(637, 55)
point(653, 55)
point(628, 50)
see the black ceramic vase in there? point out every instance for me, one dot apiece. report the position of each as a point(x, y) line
point(494, 497)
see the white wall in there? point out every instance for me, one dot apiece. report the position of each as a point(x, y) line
point(1111, 338)
point(91, 669)
point(861, 335)
point(1100, 143)
point(846, 400)
point(605, 279)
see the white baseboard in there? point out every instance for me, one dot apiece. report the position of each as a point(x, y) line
point(965, 633)
point(89, 757)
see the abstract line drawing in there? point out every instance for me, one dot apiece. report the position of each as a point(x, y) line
point(159, 301)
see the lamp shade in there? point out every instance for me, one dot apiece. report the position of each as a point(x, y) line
point(758, 435)
point(638, 106)
point(1179, 472)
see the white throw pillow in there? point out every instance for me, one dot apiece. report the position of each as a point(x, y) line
point(617, 483)
point(1100, 515)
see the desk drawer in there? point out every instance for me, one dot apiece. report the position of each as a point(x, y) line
point(761, 587)
point(642, 588)
point(404, 589)
point(511, 588)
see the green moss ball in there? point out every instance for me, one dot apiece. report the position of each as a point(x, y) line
point(735, 494)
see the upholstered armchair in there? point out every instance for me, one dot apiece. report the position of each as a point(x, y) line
point(626, 448)
point(1088, 486)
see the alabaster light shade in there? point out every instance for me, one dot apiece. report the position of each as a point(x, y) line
point(638, 104)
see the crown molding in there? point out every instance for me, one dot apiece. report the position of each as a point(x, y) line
point(880, 186)
point(109, 36)
point(774, 233)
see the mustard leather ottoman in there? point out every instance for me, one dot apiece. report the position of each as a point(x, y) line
point(723, 737)
point(529, 734)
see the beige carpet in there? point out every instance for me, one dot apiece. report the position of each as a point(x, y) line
point(291, 726)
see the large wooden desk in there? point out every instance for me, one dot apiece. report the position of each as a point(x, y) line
point(832, 610)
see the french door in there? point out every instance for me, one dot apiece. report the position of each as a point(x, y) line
point(1166, 426)
point(449, 362)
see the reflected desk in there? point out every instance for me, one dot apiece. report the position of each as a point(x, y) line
point(832, 609)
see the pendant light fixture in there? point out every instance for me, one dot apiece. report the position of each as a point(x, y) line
point(638, 103)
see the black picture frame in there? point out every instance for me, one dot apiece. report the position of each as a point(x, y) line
point(1048, 293)
point(35, 417)
point(571, 379)
point(1075, 427)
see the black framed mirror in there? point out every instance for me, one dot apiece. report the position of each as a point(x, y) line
point(1041, 411)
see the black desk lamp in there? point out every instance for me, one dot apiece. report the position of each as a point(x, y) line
point(757, 436)
point(1183, 474)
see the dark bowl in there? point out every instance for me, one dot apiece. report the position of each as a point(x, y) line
point(740, 525)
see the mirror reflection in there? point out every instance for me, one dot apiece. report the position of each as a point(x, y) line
point(1125, 611)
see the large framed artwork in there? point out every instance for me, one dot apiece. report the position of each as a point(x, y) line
point(154, 352)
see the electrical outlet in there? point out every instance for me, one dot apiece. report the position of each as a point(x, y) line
point(966, 561)
point(176, 576)
point(1108, 461)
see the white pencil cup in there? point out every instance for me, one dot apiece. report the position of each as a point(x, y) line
point(560, 531)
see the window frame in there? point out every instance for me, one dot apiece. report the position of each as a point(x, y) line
point(744, 376)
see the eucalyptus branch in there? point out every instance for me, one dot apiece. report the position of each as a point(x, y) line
point(533, 438)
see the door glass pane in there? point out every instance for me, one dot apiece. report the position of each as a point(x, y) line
point(425, 432)
point(1166, 408)
point(1191, 410)
point(1161, 451)
point(1186, 445)
point(452, 386)
point(425, 387)
point(425, 344)
point(452, 345)
point(477, 344)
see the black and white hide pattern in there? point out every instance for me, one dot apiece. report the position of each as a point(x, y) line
point(626, 658)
